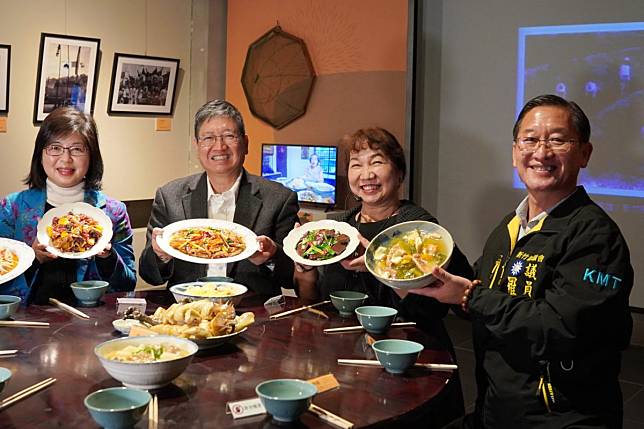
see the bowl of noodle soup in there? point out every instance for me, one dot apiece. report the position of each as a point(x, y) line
point(404, 255)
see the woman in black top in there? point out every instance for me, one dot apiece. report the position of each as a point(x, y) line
point(376, 171)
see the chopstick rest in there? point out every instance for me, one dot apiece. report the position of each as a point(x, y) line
point(25, 393)
point(68, 308)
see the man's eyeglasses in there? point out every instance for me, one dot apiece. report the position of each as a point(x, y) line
point(209, 140)
point(75, 151)
point(555, 144)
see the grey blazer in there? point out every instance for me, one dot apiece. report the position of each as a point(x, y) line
point(265, 207)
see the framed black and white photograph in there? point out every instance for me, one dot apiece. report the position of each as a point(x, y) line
point(5, 64)
point(67, 71)
point(143, 85)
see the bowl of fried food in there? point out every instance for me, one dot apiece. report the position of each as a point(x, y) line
point(213, 291)
point(403, 256)
point(146, 362)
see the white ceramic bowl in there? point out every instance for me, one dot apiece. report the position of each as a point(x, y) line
point(180, 292)
point(401, 228)
point(145, 375)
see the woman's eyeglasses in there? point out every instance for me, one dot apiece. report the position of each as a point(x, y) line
point(75, 151)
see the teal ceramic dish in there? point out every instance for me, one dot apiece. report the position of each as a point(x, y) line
point(5, 375)
point(397, 355)
point(117, 407)
point(376, 319)
point(286, 399)
point(346, 301)
point(8, 306)
point(89, 292)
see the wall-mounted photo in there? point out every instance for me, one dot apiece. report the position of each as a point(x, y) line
point(5, 63)
point(143, 85)
point(67, 68)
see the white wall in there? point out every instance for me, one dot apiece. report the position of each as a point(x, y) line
point(476, 54)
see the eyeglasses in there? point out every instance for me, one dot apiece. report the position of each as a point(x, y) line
point(209, 140)
point(556, 144)
point(74, 151)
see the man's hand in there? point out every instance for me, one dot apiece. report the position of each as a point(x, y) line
point(42, 255)
point(447, 288)
point(155, 246)
point(266, 250)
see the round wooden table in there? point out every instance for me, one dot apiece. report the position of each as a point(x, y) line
point(291, 347)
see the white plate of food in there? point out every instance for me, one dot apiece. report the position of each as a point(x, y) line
point(321, 243)
point(15, 258)
point(208, 241)
point(75, 231)
point(213, 291)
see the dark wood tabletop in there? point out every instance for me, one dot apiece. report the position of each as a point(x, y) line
point(291, 347)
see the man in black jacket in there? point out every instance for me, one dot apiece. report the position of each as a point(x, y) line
point(550, 314)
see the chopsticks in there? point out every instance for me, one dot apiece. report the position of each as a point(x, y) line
point(23, 324)
point(360, 328)
point(153, 413)
point(330, 418)
point(296, 310)
point(25, 393)
point(68, 308)
point(432, 366)
point(7, 352)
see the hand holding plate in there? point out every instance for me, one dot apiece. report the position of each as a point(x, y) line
point(357, 264)
point(155, 246)
point(42, 254)
point(105, 252)
point(266, 249)
point(448, 288)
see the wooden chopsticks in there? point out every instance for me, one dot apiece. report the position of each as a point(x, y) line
point(296, 310)
point(153, 413)
point(330, 418)
point(23, 324)
point(68, 308)
point(25, 393)
point(5, 353)
point(360, 328)
point(366, 362)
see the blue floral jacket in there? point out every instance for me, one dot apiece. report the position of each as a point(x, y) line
point(19, 216)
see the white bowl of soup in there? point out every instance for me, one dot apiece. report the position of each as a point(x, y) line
point(213, 291)
point(404, 255)
point(146, 362)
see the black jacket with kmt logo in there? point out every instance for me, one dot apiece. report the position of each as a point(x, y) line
point(550, 320)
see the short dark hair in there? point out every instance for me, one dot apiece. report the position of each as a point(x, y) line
point(377, 139)
point(62, 122)
point(579, 119)
point(217, 108)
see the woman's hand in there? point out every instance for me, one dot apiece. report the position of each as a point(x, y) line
point(155, 246)
point(42, 255)
point(266, 250)
point(356, 264)
point(105, 252)
point(448, 288)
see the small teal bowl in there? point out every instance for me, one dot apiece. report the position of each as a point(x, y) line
point(88, 292)
point(117, 407)
point(5, 375)
point(286, 399)
point(8, 306)
point(376, 319)
point(397, 355)
point(346, 301)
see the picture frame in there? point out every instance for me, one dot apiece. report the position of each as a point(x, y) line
point(142, 85)
point(5, 69)
point(67, 73)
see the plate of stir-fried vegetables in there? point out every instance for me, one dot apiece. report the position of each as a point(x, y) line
point(207, 241)
point(75, 231)
point(15, 258)
point(321, 243)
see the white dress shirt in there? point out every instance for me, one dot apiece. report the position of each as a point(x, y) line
point(222, 207)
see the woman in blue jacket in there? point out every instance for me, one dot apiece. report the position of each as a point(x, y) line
point(66, 167)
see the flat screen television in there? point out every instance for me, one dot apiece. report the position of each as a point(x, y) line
point(311, 171)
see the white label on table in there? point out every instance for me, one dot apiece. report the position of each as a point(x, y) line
point(245, 408)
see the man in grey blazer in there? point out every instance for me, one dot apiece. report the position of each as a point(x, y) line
point(224, 191)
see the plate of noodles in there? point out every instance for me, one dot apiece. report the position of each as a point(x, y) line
point(75, 231)
point(208, 241)
point(15, 258)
